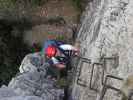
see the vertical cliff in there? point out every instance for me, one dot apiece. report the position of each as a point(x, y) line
point(106, 37)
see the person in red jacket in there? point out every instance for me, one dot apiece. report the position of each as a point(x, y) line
point(59, 56)
point(59, 53)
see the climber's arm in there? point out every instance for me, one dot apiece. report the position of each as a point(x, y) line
point(56, 62)
point(70, 50)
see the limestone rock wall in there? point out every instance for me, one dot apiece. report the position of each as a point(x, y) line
point(106, 37)
point(31, 82)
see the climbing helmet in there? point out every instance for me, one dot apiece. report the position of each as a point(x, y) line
point(50, 51)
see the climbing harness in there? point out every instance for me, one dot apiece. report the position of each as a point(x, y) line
point(92, 74)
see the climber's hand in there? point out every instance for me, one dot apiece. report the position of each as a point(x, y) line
point(76, 53)
point(60, 66)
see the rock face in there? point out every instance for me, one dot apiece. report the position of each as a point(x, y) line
point(31, 82)
point(106, 37)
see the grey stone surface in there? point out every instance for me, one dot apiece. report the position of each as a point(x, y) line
point(106, 31)
point(31, 83)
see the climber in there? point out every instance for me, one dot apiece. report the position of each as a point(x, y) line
point(59, 53)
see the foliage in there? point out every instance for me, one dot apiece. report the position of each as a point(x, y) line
point(11, 51)
point(77, 4)
point(12, 3)
point(61, 37)
point(5, 4)
point(36, 2)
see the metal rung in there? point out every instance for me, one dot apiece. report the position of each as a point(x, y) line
point(114, 77)
point(92, 72)
point(82, 60)
point(106, 86)
point(115, 58)
point(80, 81)
point(111, 58)
point(104, 67)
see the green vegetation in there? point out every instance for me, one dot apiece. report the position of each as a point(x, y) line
point(77, 4)
point(12, 3)
point(4, 4)
point(35, 2)
point(61, 37)
point(11, 51)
